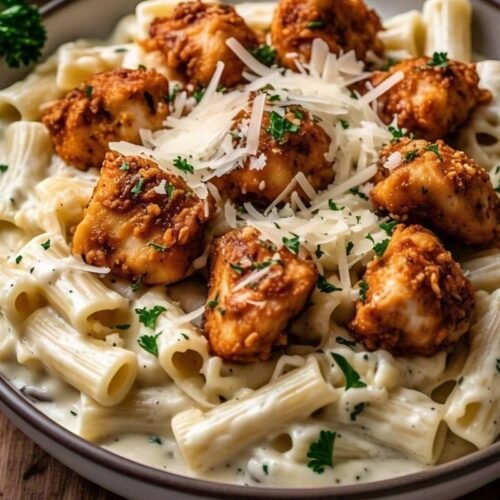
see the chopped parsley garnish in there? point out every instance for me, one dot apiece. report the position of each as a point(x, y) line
point(169, 189)
point(388, 227)
point(175, 92)
point(298, 114)
point(279, 126)
point(411, 155)
point(198, 94)
point(357, 192)
point(344, 123)
point(222, 311)
point(88, 91)
point(22, 34)
point(333, 206)
point(439, 60)
point(46, 245)
point(265, 468)
point(214, 302)
point(122, 327)
point(314, 25)
point(370, 237)
point(434, 148)
point(357, 411)
point(120, 50)
point(498, 365)
point(19, 258)
point(352, 378)
point(460, 380)
point(363, 288)
point(141, 67)
point(349, 247)
point(136, 285)
point(157, 247)
point(149, 343)
point(148, 317)
point(136, 190)
point(155, 440)
point(348, 343)
point(324, 286)
point(236, 268)
point(396, 132)
point(185, 336)
point(3, 168)
point(293, 244)
point(183, 165)
point(320, 452)
point(388, 65)
point(265, 54)
point(265, 263)
point(73, 412)
point(125, 167)
point(381, 247)
point(319, 253)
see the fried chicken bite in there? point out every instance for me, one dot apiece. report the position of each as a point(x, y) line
point(193, 40)
point(418, 301)
point(432, 100)
point(110, 106)
point(142, 222)
point(244, 321)
point(343, 24)
point(289, 144)
point(438, 186)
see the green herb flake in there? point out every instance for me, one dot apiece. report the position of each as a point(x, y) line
point(122, 327)
point(265, 54)
point(381, 247)
point(298, 114)
point(388, 65)
point(349, 247)
point(396, 132)
point(185, 336)
point(363, 289)
point(324, 286)
point(320, 452)
point(155, 440)
point(141, 67)
point(357, 411)
point(214, 302)
point(149, 343)
point(388, 226)
point(183, 165)
point(314, 25)
point(460, 380)
point(439, 60)
point(352, 378)
point(434, 148)
point(3, 168)
point(136, 190)
point(157, 247)
point(333, 206)
point(293, 244)
point(318, 252)
point(19, 258)
point(88, 91)
point(46, 245)
point(265, 468)
point(236, 268)
point(351, 344)
point(136, 285)
point(169, 189)
point(279, 126)
point(148, 317)
point(120, 50)
point(411, 155)
point(357, 192)
point(176, 89)
point(125, 167)
point(344, 124)
point(74, 413)
point(265, 263)
point(498, 365)
point(198, 95)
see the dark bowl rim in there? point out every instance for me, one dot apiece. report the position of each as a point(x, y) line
point(26, 411)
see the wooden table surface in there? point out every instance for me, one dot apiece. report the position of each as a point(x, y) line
point(28, 473)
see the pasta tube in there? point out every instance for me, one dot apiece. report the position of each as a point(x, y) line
point(206, 439)
point(473, 408)
point(448, 28)
point(484, 270)
point(92, 366)
point(404, 35)
point(147, 411)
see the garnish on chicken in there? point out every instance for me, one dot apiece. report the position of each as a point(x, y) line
point(244, 319)
point(416, 299)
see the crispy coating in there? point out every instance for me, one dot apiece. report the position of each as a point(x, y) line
point(301, 151)
point(343, 24)
point(440, 187)
point(244, 324)
point(418, 300)
point(110, 106)
point(139, 226)
point(430, 101)
point(193, 40)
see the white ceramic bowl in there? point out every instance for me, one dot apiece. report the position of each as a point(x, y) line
point(70, 19)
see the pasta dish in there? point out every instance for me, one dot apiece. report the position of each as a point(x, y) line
point(259, 243)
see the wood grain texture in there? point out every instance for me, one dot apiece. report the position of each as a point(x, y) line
point(28, 473)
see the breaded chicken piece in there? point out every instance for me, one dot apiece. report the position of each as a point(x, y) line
point(343, 24)
point(431, 101)
point(243, 324)
point(418, 301)
point(142, 222)
point(193, 40)
point(440, 187)
point(302, 149)
point(110, 106)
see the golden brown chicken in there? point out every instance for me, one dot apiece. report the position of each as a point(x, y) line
point(435, 97)
point(110, 106)
point(291, 144)
point(193, 40)
point(142, 222)
point(243, 323)
point(343, 24)
point(416, 299)
point(440, 187)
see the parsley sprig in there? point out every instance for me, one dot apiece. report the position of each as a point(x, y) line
point(148, 317)
point(183, 165)
point(265, 54)
point(279, 126)
point(325, 286)
point(320, 452)
point(149, 343)
point(352, 378)
point(439, 60)
point(293, 244)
